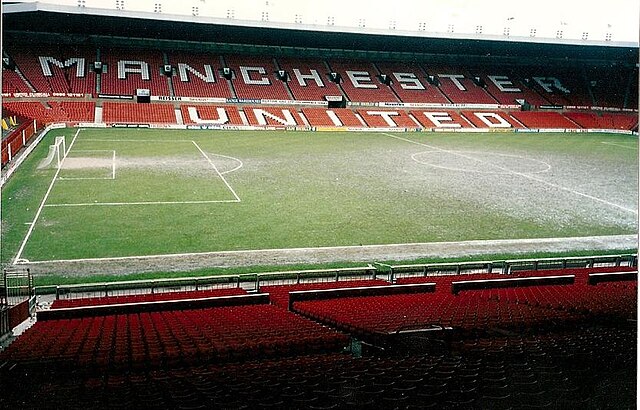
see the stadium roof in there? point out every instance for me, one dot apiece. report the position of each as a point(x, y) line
point(345, 25)
point(614, 23)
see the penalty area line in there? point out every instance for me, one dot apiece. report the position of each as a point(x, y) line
point(634, 147)
point(217, 171)
point(223, 201)
point(44, 200)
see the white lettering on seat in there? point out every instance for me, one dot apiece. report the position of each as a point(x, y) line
point(504, 84)
point(46, 62)
point(261, 116)
point(207, 77)
point(139, 67)
point(408, 81)
point(223, 118)
point(548, 82)
point(441, 119)
point(314, 76)
point(455, 78)
point(246, 75)
point(498, 121)
point(359, 79)
point(386, 115)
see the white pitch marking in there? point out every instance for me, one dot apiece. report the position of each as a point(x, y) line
point(46, 196)
point(545, 164)
point(619, 145)
point(224, 201)
point(83, 178)
point(551, 184)
point(113, 163)
point(112, 140)
point(232, 158)
point(217, 171)
point(489, 243)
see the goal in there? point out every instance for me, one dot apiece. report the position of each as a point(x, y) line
point(56, 154)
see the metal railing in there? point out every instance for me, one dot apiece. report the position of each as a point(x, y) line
point(396, 272)
point(252, 282)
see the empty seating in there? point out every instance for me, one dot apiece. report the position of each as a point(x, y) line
point(54, 111)
point(148, 297)
point(308, 79)
point(376, 118)
point(12, 83)
point(198, 75)
point(609, 121)
point(210, 115)
point(437, 118)
point(52, 69)
point(255, 78)
point(138, 113)
point(334, 117)
point(151, 339)
point(490, 119)
point(543, 119)
point(273, 116)
point(361, 83)
point(129, 70)
point(410, 84)
point(457, 85)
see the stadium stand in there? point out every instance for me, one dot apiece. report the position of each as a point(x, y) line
point(441, 119)
point(410, 84)
point(54, 111)
point(525, 346)
point(127, 71)
point(198, 75)
point(189, 336)
point(13, 83)
point(308, 79)
point(457, 85)
point(360, 81)
point(611, 121)
point(150, 297)
point(490, 119)
point(255, 78)
point(505, 87)
point(319, 117)
point(386, 118)
point(276, 116)
point(138, 113)
point(613, 86)
point(53, 69)
point(203, 114)
point(279, 294)
point(543, 119)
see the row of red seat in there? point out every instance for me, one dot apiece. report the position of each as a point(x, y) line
point(539, 370)
point(145, 297)
point(152, 339)
point(53, 69)
point(113, 112)
point(518, 307)
point(53, 111)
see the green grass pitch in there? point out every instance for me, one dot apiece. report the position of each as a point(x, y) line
point(124, 192)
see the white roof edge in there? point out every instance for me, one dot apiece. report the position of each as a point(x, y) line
point(47, 7)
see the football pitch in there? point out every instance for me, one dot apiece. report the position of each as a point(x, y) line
point(136, 192)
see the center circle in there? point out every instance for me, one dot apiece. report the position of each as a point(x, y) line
point(480, 162)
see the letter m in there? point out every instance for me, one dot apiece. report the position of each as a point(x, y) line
point(47, 62)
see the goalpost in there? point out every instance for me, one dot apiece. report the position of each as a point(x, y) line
point(57, 152)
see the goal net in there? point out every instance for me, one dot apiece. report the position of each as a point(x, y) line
point(56, 154)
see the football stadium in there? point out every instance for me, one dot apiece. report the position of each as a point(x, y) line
point(273, 204)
